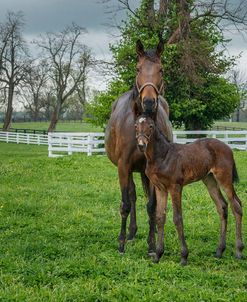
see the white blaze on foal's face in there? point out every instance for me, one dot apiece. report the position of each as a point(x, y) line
point(143, 131)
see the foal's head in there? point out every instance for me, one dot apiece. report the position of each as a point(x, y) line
point(144, 130)
point(149, 78)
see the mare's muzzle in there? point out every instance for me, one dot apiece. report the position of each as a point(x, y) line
point(149, 105)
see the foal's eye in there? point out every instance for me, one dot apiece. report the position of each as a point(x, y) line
point(151, 126)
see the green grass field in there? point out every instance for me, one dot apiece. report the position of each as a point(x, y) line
point(59, 223)
point(61, 126)
point(232, 124)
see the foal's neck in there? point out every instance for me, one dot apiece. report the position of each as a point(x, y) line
point(157, 147)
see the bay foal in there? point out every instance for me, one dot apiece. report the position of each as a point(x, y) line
point(171, 166)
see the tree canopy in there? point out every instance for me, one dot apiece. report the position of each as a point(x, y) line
point(194, 60)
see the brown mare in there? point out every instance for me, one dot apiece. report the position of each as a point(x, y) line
point(120, 141)
point(171, 166)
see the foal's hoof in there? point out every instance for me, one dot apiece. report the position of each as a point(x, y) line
point(151, 254)
point(218, 254)
point(131, 235)
point(239, 255)
point(155, 259)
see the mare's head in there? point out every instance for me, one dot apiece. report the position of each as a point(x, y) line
point(149, 78)
point(144, 127)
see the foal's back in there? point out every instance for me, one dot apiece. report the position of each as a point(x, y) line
point(192, 162)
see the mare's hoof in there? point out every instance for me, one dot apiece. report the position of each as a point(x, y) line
point(218, 254)
point(183, 262)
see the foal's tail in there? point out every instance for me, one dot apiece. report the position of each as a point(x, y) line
point(235, 177)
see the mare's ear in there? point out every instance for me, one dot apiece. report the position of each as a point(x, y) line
point(139, 48)
point(160, 48)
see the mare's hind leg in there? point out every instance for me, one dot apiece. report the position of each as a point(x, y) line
point(225, 180)
point(222, 209)
point(132, 196)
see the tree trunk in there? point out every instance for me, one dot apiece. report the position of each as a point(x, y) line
point(8, 116)
point(54, 118)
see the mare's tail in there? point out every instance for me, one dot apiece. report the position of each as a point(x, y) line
point(235, 177)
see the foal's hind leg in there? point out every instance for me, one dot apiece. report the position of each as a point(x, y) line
point(176, 193)
point(222, 209)
point(225, 180)
point(132, 196)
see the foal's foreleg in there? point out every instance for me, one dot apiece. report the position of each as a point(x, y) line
point(222, 209)
point(125, 206)
point(161, 197)
point(176, 192)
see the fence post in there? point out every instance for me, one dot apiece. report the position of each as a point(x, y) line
point(89, 145)
point(49, 145)
point(7, 137)
point(17, 138)
point(174, 138)
point(246, 141)
point(38, 137)
point(69, 146)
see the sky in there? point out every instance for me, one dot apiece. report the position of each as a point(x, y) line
point(54, 15)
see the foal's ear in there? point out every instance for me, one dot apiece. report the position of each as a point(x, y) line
point(139, 48)
point(160, 48)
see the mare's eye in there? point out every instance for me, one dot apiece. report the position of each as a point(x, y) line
point(137, 69)
point(161, 71)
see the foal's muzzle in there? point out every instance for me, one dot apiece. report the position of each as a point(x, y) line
point(142, 142)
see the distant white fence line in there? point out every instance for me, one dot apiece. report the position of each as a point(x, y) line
point(62, 143)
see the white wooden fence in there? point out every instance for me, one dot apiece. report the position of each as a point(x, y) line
point(235, 139)
point(62, 143)
point(67, 142)
point(24, 138)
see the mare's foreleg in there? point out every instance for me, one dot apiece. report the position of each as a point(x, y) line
point(222, 209)
point(176, 193)
point(125, 206)
point(132, 196)
point(161, 197)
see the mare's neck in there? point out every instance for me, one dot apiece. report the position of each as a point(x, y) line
point(157, 147)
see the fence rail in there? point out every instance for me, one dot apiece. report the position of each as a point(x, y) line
point(62, 143)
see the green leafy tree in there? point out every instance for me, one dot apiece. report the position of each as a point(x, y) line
point(196, 89)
